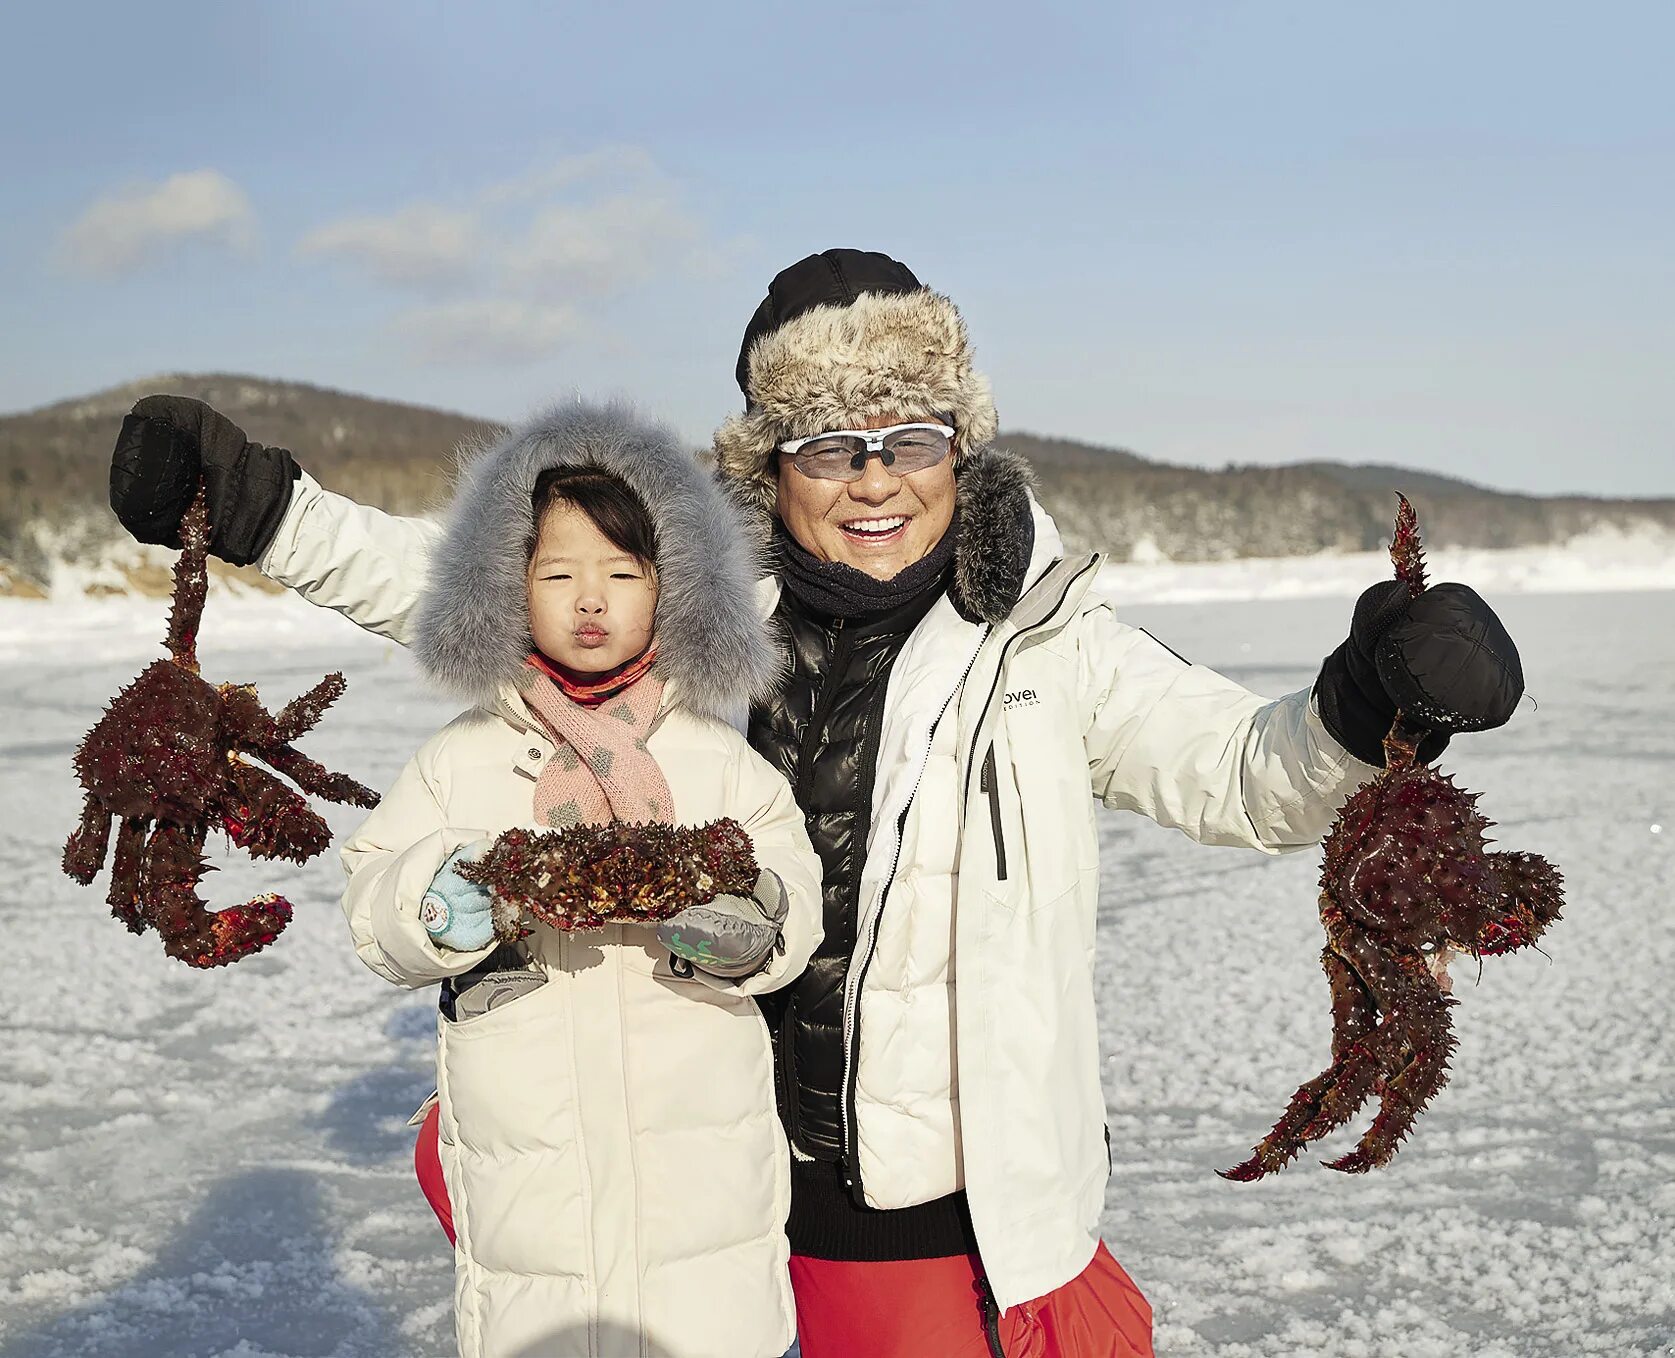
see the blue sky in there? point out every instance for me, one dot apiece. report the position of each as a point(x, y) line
point(1434, 234)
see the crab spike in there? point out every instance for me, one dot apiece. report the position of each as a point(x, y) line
point(191, 584)
point(1407, 553)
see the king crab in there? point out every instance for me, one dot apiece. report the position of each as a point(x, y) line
point(167, 761)
point(617, 873)
point(1406, 885)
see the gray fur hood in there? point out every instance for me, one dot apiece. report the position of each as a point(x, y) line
point(471, 628)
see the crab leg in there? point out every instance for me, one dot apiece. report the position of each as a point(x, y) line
point(126, 873)
point(315, 778)
point(270, 820)
point(1332, 1097)
point(1427, 1036)
point(191, 584)
point(303, 713)
point(84, 851)
point(1354, 1015)
point(264, 736)
point(1325, 1102)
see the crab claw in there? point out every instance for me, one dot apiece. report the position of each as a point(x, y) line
point(1355, 1162)
point(191, 932)
point(1248, 1172)
point(240, 930)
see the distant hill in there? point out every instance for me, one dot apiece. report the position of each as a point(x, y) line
point(1134, 509)
point(54, 463)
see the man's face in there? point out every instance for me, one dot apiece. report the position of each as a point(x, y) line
point(880, 524)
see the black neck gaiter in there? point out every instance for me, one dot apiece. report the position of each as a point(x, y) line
point(840, 591)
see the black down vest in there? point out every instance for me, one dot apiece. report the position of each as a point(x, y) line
point(822, 733)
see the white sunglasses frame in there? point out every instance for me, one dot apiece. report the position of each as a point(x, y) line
point(873, 438)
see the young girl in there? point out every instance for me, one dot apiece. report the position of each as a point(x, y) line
point(616, 1171)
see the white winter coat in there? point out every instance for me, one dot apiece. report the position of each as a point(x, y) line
point(616, 1167)
point(1058, 700)
point(609, 1139)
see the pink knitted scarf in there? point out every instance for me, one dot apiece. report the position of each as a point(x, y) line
point(601, 770)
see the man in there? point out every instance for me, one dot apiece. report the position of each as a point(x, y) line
point(955, 689)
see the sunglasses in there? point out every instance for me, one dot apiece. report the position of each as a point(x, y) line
point(842, 454)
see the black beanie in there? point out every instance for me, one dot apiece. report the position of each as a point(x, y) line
point(830, 278)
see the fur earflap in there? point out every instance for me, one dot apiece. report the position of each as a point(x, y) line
point(997, 535)
point(472, 626)
point(845, 367)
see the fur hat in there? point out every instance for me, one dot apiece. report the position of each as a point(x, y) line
point(843, 339)
point(471, 628)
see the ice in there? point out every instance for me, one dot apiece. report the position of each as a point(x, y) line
point(218, 1164)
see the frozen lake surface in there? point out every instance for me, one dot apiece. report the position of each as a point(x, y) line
point(219, 1164)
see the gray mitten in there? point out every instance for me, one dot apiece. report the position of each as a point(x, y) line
point(731, 936)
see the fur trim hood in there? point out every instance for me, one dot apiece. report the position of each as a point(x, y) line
point(837, 367)
point(471, 628)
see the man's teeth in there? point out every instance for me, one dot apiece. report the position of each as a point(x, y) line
point(874, 527)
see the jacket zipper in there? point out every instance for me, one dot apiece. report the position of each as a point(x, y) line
point(849, 1164)
point(989, 783)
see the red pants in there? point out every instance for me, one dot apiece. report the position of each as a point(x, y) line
point(427, 1163)
point(920, 1308)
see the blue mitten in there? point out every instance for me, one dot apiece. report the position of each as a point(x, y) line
point(456, 912)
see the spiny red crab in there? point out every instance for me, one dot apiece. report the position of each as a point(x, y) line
point(167, 761)
point(590, 875)
point(1406, 884)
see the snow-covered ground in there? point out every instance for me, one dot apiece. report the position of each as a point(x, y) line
point(1606, 559)
point(218, 1164)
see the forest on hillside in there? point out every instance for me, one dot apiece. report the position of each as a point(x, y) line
point(54, 465)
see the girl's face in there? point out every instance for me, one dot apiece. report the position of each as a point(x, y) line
point(591, 604)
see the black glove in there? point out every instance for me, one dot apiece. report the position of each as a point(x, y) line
point(1443, 660)
point(166, 444)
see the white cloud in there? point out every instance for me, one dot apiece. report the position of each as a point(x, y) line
point(487, 330)
point(127, 229)
point(507, 272)
point(423, 246)
point(603, 246)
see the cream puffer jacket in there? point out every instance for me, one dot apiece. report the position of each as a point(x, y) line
point(616, 1167)
point(615, 1163)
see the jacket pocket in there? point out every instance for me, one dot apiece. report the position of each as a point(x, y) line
point(498, 995)
point(989, 784)
point(511, 1132)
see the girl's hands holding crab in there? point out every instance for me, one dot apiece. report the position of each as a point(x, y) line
point(729, 937)
point(457, 914)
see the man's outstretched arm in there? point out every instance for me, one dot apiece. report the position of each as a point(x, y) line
point(1196, 751)
point(265, 510)
point(358, 561)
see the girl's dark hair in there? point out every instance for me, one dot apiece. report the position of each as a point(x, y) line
point(616, 511)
